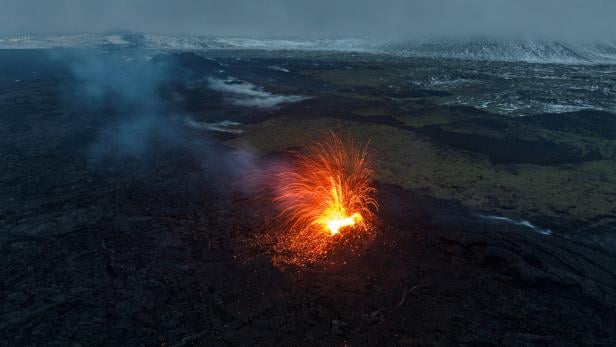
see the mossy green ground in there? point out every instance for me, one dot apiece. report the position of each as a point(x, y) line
point(488, 162)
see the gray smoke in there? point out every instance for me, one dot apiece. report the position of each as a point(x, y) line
point(128, 105)
point(124, 100)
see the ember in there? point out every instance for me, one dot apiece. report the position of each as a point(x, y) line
point(324, 197)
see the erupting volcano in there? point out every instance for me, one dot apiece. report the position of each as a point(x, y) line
point(325, 197)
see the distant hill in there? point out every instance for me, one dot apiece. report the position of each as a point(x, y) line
point(532, 51)
point(520, 50)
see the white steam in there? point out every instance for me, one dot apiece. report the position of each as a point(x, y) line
point(520, 222)
point(242, 93)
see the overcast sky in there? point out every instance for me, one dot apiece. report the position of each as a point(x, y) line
point(594, 19)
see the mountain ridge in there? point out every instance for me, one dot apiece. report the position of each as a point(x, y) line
point(487, 49)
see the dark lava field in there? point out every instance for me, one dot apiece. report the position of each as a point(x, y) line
point(124, 222)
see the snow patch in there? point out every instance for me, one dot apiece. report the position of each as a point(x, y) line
point(225, 126)
point(520, 222)
point(242, 93)
point(117, 40)
point(278, 68)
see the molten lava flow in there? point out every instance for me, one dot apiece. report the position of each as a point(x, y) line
point(327, 192)
point(334, 223)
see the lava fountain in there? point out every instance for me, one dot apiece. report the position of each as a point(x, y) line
point(325, 198)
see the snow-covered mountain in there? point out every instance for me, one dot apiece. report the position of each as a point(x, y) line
point(525, 50)
point(532, 51)
point(156, 41)
point(120, 40)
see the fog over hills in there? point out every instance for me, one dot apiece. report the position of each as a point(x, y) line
point(406, 19)
point(546, 31)
point(477, 48)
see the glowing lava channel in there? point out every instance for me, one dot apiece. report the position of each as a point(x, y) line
point(335, 216)
point(336, 223)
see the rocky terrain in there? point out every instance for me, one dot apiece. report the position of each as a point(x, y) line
point(122, 220)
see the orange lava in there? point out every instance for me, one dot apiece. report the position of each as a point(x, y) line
point(325, 198)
